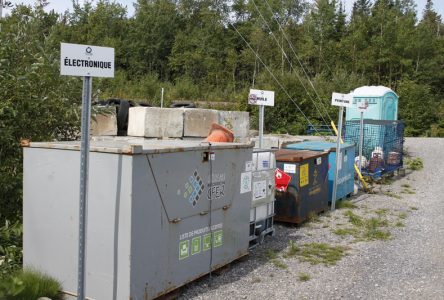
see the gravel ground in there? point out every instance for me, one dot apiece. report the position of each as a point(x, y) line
point(410, 265)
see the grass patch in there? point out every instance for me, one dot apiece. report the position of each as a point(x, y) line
point(347, 231)
point(325, 226)
point(354, 218)
point(408, 191)
point(30, 284)
point(413, 208)
point(393, 195)
point(386, 181)
point(293, 249)
point(313, 217)
point(405, 185)
point(279, 263)
point(415, 163)
point(373, 231)
point(399, 224)
point(271, 254)
point(304, 277)
point(381, 212)
point(321, 253)
point(402, 215)
point(345, 204)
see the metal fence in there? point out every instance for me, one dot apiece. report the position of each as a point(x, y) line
point(383, 143)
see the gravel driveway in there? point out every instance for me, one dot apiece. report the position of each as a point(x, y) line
point(409, 265)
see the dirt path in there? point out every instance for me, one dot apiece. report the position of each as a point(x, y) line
point(410, 265)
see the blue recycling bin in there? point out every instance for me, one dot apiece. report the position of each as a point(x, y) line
point(346, 167)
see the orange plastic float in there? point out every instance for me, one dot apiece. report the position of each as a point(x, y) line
point(220, 134)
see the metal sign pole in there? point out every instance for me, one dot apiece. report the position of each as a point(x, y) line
point(338, 157)
point(84, 163)
point(361, 140)
point(261, 124)
point(161, 98)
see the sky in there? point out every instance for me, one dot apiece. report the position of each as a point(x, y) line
point(62, 5)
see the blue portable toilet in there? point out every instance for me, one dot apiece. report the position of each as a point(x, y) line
point(382, 103)
point(346, 167)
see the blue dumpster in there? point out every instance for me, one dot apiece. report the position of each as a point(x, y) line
point(346, 168)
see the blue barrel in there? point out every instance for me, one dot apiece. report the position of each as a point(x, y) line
point(346, 168)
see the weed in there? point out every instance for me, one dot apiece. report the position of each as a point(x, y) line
point(393, 195)
point(405, 185)
point(313, 217)
point(413, 208)
point(325, 226)
point(372, 231)
point(408, 191)
point(354, 218)
point(347, 231)
point(381, 212)
point(415, 163)
point(386, 181)
point(321, 253)
point(29, 284)
point(279, 263)
point(399, 224)
point(345, 204)
point(402, 215)
point(293, 249)
point(271, 254)
point(304, 277)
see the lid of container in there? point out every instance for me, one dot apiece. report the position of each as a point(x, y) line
point(317, 146)
point(134, 145)
point(297, 155)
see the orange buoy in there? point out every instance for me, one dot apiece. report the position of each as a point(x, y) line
point(220, 134)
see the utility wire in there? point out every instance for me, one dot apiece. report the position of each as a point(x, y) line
point(274, 77)
point(297, 57)
point(291, 65)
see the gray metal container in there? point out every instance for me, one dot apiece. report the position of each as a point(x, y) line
point(263, 195)
point(151, 227)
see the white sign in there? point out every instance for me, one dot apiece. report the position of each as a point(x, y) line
point(290, 168)
point(86, 60)
point(362, 106)
point(345, 100)
point(245, 184)
point(259, 189)
point(260, 97)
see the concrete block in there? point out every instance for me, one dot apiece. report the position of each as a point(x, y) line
point(104, 122)
point(155, 122)
point(197, 122)
point(237, 121)
point(268, 142)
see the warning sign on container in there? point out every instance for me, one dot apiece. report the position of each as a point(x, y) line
point(303, 178)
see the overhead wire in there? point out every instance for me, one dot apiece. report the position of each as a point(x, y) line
point(297, 57)
point(274, 77)
point(291, 65)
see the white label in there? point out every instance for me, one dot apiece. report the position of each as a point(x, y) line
point(260, 97)
point(290, 168)
point(318, 160)
point(86, 60)
point(245, 185)
point(345, 100)
point(345, 158)
point(339, 162)
point(248, 166)
point(212, 156)
point(362, 106)
point(259, 189)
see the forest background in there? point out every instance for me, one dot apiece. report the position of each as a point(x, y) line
point(212, 51)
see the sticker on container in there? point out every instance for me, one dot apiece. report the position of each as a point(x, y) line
point(218, 238)
point(206, 242)
point(345, 157)
point(319, 160)
point(248, 166)
point(340, 161)
point(245, 184)
point(195, 245)
point(259, 189)
point(290, 168)
point(184, 249)
point(213, 156)
point(303, 176)
point(265, 164)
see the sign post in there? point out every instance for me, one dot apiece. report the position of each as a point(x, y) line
point(87, 61)
point(362, 108)
point(261, 98)
point(341, 100)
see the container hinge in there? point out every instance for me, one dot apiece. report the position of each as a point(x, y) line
point(226, 207)
point(203, 213)
point(177, 220)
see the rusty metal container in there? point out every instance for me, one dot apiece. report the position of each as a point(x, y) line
point(161, 213)
point(307, 192)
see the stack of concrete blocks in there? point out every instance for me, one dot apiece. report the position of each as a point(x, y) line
point(275, 141)
point(153, 122)
point(104, 122)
